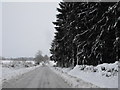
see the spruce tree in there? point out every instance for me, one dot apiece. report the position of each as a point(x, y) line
point(87, 33)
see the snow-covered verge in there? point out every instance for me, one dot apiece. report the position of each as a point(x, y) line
point(52, 63)
point(9, 73)
point(13, 69)
point(72, 81)
point(104, 75)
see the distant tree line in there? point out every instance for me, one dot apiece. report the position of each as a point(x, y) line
point(38, 58)
point(86, 33)
point(17, 59)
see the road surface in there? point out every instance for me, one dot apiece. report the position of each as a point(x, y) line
point(41, 77)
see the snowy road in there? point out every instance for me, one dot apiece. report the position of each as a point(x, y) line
point(41, 77)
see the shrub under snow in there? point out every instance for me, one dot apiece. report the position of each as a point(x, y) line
point(17, 64)
point(105, 69)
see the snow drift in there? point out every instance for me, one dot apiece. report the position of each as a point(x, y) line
point(104, 75)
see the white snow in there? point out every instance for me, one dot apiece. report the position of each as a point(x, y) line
point(8, 73)
point(17, 64)
point(97, 78)
point(52, 63)
point(118, 18)
point(81, 76)
point(104, 75)
point(72, 81)
point(11, 69)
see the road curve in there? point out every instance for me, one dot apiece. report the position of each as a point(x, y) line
point(41, 77)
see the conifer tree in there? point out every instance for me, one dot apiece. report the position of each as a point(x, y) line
point(86, 33)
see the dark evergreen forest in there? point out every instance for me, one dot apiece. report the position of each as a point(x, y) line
point(87, 33)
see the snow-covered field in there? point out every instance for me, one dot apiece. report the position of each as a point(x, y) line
point(11, 69)
point(8, 73)
point(17, 64)
point(103, 76)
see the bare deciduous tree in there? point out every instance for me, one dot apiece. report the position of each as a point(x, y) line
point(38, 57)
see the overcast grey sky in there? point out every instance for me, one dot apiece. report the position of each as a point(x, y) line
point(27, 27)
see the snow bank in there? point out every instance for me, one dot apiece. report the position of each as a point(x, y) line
point(108, 70)
point(95, 78)
point(66, 69)
point(73, 82)
point(104, 75)
point(52, 63)
point(9, 73)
